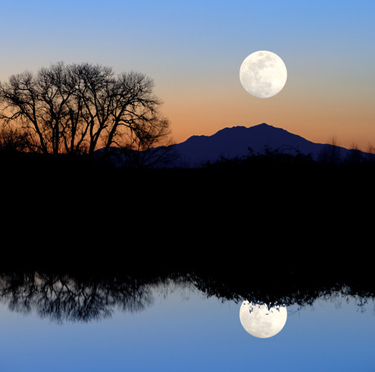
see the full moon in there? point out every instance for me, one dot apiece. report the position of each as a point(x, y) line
point(263, 74)
point(261, 321)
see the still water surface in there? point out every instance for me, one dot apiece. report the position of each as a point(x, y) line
point(181, 329)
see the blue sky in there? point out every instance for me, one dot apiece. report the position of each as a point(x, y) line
point(193, 50)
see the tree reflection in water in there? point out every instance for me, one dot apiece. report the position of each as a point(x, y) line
point(69, 297)
point(65, 298)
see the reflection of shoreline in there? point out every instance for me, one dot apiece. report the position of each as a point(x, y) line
point(63, 297)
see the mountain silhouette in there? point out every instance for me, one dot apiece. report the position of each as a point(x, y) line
point(238, 141)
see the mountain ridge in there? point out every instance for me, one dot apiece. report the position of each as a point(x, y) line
point(232, 142)
point(237, 142)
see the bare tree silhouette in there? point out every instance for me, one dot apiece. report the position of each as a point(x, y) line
point(76, 108)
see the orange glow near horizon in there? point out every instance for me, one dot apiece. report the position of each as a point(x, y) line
point(318, 109)
point(349, 124)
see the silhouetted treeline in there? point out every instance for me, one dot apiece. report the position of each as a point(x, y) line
point(283, 214)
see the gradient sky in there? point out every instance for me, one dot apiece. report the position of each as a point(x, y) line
point(193, 51)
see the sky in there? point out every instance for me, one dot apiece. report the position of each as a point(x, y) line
point(193, 50)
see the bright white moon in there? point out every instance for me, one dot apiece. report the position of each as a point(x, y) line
point(263, 74)
point(261, 321)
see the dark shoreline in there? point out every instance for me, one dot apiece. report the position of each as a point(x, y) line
point(85, 296)
point(297, 216)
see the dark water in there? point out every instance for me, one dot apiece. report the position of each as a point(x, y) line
point(59, 322)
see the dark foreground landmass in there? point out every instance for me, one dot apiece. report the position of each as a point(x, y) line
point(80, 238)
point(281, 217)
